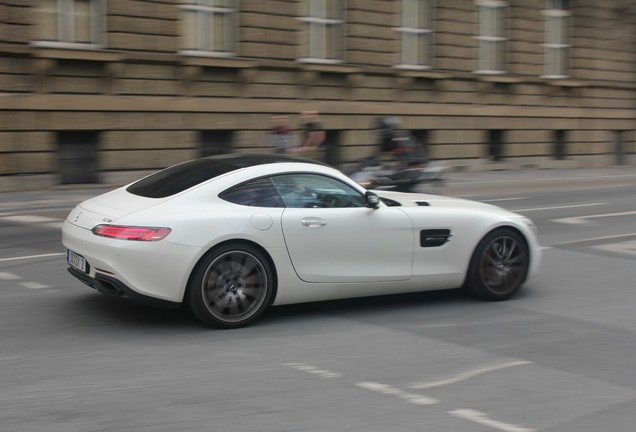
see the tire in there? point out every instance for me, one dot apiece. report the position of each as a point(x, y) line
point(231, 287)
point(499, 266)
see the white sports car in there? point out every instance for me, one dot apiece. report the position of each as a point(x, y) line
point(231, 235)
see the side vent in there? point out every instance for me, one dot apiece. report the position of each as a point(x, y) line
point(422, 203)
point(434, 237)
point(390, 203)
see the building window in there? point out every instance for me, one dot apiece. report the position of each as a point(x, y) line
point(417, 33)
point(495, 145)
point(78, 22)
point(556, 17)
point(78, 156)
point(492, 36)
point(215, 142)
point(422, 138)
point(560, 144)
point(619, 147)
point(209, 26)
point(322, 30)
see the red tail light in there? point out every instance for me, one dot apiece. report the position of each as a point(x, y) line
point(131, 232)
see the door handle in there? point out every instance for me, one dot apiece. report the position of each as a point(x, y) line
point(313, 222)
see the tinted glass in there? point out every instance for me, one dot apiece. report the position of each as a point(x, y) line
point(256, 193)
point(316, 191)
point(188, 174)
point(179, 178)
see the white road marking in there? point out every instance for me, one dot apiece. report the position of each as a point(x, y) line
point(483, 419)
point(584, 220)
point(313, 370)
point(9, 276)
point(42, 221)
point(32, 257)
point(628, 247)
point(568, 189)
point(593, 239)
point(552, 179)
point(468, 374)
point(557, 207)
point(571, 221)
point(548, 179)
point(29, 219)
point(33, 285)
point(505, 199)
point(386, 389)
point(472, 415)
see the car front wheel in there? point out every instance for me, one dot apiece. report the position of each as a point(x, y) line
point(231, 287)
point(498, 266)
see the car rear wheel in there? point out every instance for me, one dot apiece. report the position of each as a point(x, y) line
point(499, 265)
point(231, 287)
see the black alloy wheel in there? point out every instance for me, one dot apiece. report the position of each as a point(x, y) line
point(231, 287)
point(499, 265)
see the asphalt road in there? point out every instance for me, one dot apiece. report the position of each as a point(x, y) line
point(559, 357)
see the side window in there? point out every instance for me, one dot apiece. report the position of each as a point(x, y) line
point(256, 193)
point(322, 30)
point(492, 38)
point(316, 191)
point(209, 26)
point(74, 22)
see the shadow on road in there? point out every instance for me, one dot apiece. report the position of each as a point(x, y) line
point(100, 310)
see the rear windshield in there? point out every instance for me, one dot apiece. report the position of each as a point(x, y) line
point(179, 178)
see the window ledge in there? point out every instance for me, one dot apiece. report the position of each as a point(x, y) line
point(501, 79)
point(564, 82)
point(412, 67)
point(83, 52)
point(423, 74)
point(190, 59)
point(488, 72)
point(330, 68)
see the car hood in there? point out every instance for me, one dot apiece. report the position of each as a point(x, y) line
point(431, 200)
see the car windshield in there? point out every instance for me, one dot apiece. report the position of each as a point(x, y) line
point(178, 178)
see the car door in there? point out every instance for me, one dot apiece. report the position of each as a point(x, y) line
point(332, 236)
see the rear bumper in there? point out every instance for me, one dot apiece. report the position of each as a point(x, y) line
point(152, 269)
point(115, 288)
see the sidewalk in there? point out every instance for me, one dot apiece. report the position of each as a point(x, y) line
point(533, 180)
point(455, 183)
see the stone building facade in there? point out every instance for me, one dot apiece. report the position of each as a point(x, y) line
point(107, 90)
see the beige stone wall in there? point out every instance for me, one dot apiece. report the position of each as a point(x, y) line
point(149, 102)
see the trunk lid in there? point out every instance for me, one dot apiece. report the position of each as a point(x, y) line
point(108, 207)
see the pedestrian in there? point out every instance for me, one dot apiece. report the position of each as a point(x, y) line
point(280, 134)
point(313, 134)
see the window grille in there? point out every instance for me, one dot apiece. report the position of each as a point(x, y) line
point(79, 22)
point(322, 30)
point(556, 47)
point(210, 26)
point(492, 36)
point(417, 33)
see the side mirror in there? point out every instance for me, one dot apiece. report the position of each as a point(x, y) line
point(371, 200)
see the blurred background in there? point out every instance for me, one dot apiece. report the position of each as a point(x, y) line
point(507, 96)
point(103, 91)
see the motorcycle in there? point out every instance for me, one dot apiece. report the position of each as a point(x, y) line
point(374, 174)
point(400, 165)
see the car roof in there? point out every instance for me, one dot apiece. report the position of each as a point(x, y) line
point(178, 178)
point(245, 160)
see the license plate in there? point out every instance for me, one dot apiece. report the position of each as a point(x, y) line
point(76, 261)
